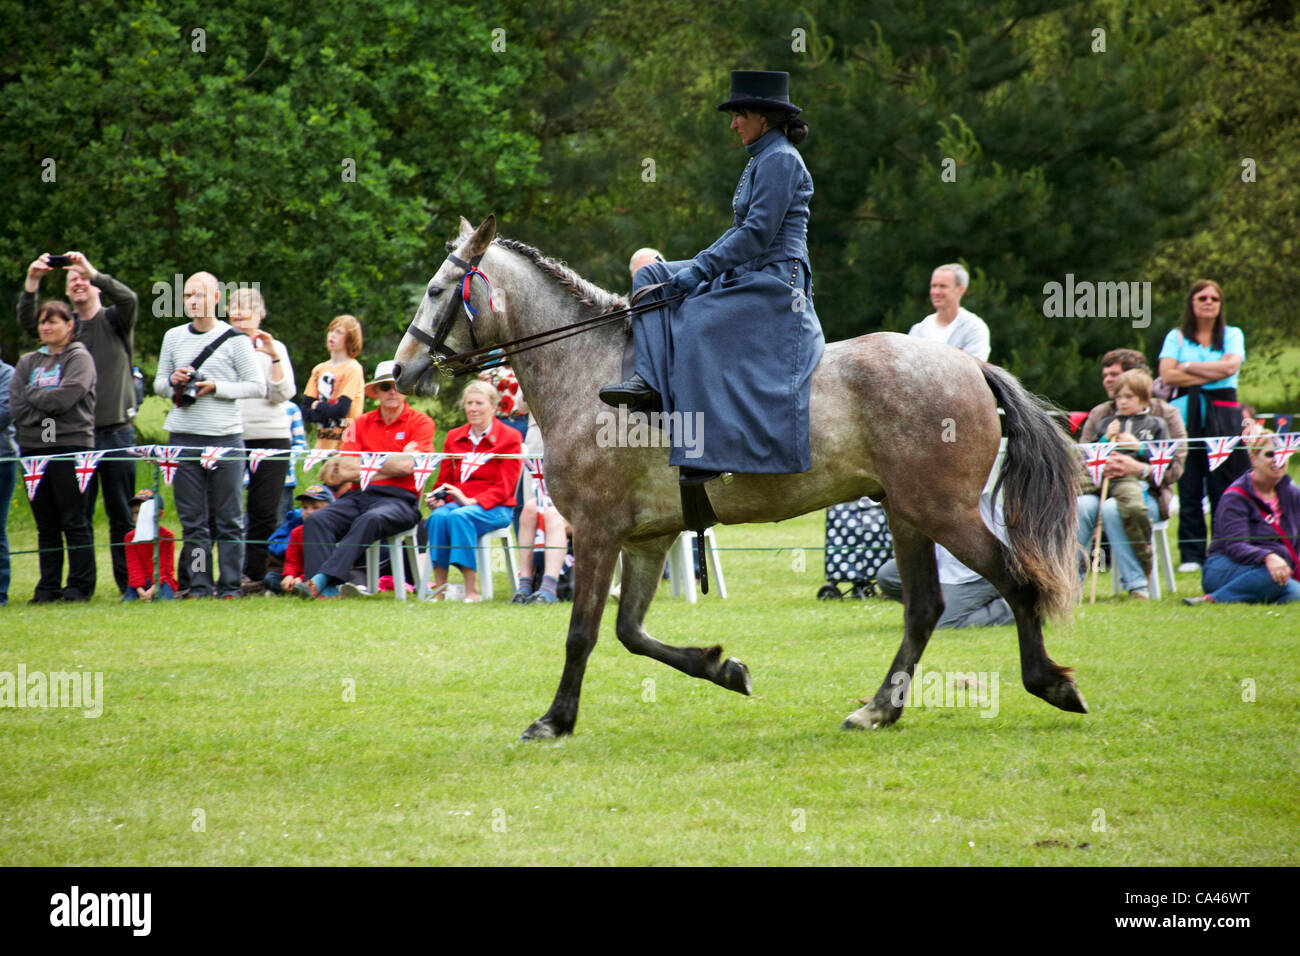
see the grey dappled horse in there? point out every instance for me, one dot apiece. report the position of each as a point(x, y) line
point(911, 423)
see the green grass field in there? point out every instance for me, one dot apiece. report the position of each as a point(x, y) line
point(271, 731)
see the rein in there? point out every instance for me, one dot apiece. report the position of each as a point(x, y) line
point(481, 358)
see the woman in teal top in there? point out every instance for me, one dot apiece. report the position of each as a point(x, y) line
point(1200, 359)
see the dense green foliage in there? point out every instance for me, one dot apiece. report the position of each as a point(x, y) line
point(1030, 139)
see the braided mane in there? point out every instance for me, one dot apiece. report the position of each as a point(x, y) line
point(587, 293)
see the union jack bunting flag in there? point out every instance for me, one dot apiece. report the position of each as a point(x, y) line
point(257, 455)
point(33, 468)
point(212, 455)
point(315, 457)
point(87, 461)
point(472, 462)
point(1218, 449)
point(1284, 446)
point(424, 466)
point(1094, 457)
point(543, 497)
point(1161, 457)
point(168, 457)
point(142, 451)
point(371, 462)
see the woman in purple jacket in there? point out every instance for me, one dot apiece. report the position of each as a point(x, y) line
point(1255, 554)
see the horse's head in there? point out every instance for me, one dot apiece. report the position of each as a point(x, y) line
point(442, 324)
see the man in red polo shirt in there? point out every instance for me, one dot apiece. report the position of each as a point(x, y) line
point(334, 537)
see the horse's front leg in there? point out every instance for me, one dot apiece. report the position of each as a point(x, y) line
point(593, 567)
point(922, 608)
point(643, 566)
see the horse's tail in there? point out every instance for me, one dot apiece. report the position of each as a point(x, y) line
point(1038, 485)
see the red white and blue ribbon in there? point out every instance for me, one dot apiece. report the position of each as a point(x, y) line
point(424, 465)
point(212, 455)
point(371, 462)
point(1095, 455)
point(472, 462)
point(1218, 449)
point(87, 461)
point(1284, 446)
point(33, 468)
point(470, 312)
point(168, 458)
point(1161, 457)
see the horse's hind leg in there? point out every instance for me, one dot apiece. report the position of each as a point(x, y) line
point(594, 556)
point(922, 608)
point(976, 547)
point(643, 565)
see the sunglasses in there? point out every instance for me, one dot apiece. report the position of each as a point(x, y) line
point(1266, 454)
point(385, 387)
point(1206, 298)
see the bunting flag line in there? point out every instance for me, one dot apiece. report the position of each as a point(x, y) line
point(142, 451)
point(1284, 446)
point(543, 496)
point(33, 468)
point(87, 461)
point(1161, 457)
point(425, 464)
point(168, 458)
point(212, 455)
point(371, 462)
point(315, 457)
point(1095, 455)
point(257, 455)
point(472, 462)
point(1218, 449)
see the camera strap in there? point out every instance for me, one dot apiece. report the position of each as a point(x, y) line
point(210, 348)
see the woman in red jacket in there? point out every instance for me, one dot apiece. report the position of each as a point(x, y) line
point(476, 492)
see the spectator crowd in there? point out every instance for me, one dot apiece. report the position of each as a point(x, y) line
point(1178, 438)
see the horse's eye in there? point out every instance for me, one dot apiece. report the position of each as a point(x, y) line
point(434, 290)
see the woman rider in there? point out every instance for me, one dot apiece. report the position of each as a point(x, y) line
point(740, 349)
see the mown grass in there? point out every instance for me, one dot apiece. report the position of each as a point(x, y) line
point(237, 710)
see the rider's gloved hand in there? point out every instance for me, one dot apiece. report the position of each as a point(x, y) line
point(687, 279)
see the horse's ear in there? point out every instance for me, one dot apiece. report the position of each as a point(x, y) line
point(466, 228)
point(483, 236)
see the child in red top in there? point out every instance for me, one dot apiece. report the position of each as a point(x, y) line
point(145, 580)
point(313, 499)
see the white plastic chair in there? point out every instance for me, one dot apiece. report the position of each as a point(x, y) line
point(405, 540)
point(681, 565)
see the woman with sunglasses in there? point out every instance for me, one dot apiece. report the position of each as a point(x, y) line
point(1255, 554)
point(1200, 360)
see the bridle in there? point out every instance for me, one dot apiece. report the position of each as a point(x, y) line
point(480, 358)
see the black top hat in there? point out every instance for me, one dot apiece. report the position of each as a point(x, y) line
point(759, 90)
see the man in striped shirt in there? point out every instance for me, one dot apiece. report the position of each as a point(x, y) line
point(208, 499)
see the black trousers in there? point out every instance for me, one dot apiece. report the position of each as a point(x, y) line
point(116, 475)
point(265, 488)
point(60, 512)
point(335, 537)
point(1222, 416)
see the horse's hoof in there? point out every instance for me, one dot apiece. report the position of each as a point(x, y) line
point(735, 676)
point(1065, 695)
point(869, 718)
point(543, 729)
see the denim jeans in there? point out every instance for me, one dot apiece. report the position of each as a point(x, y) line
point(1231, 583)
point(1127, 565)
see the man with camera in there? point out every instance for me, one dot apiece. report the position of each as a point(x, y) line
point(107, 333)
point(205, 367)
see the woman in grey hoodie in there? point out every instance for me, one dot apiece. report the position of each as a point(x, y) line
point(52, 399)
